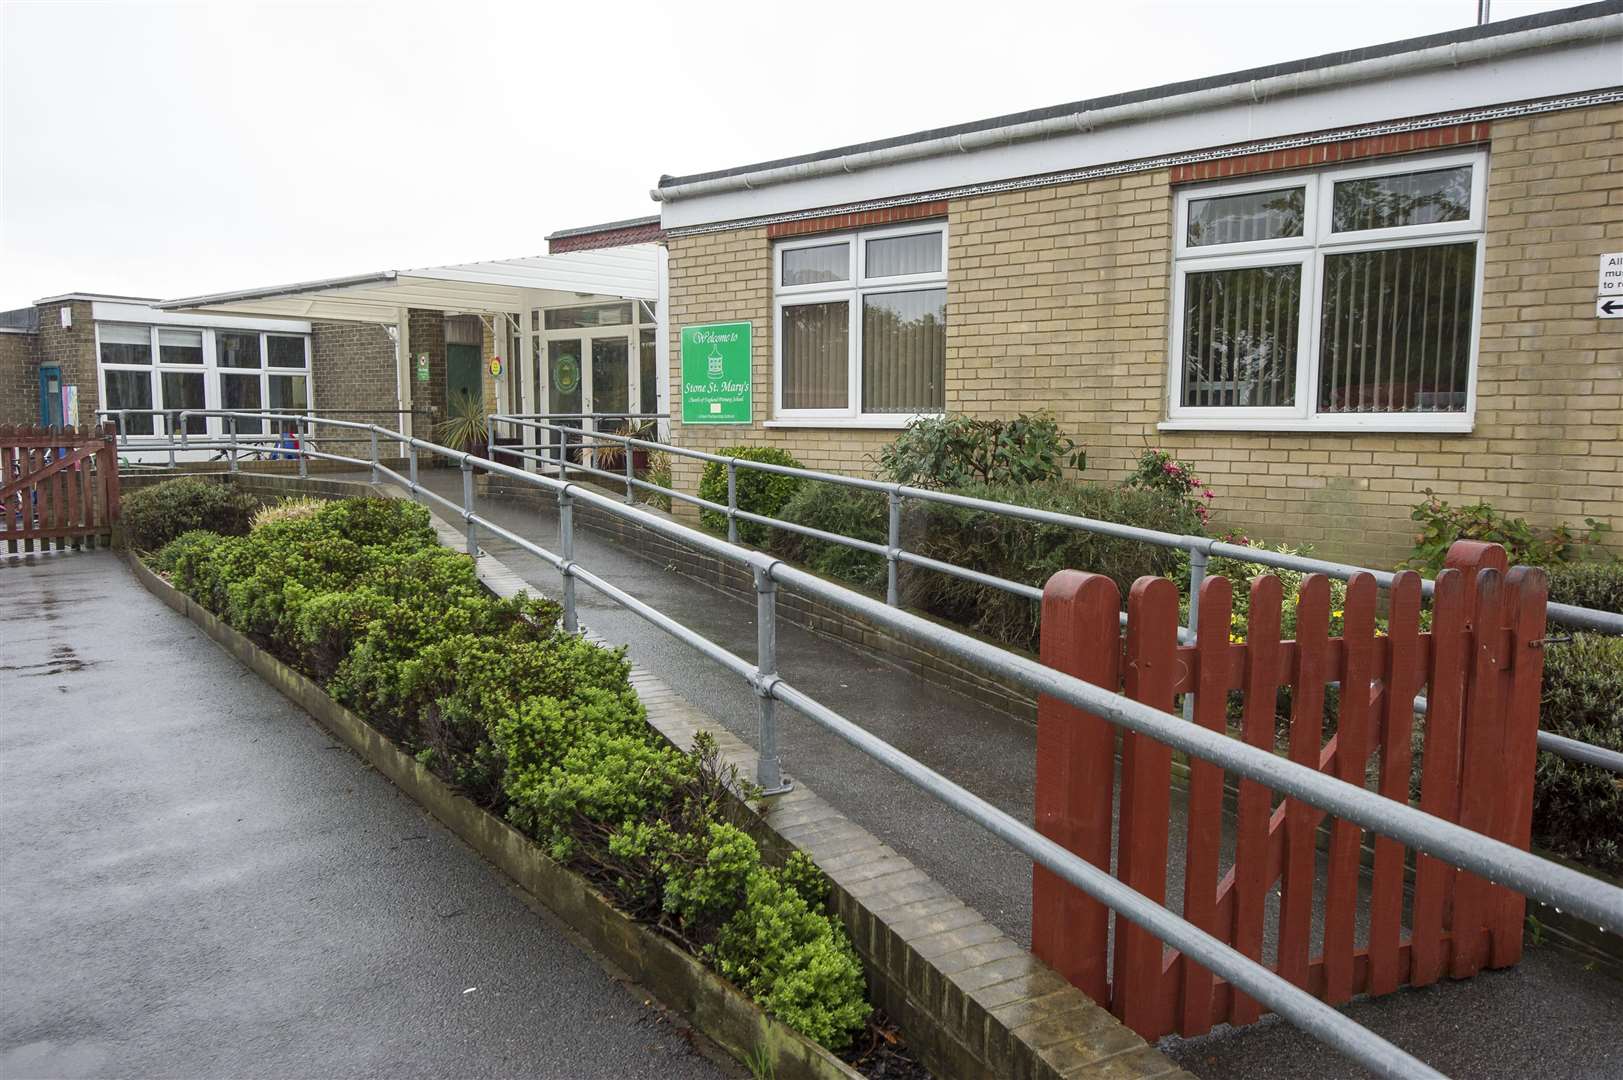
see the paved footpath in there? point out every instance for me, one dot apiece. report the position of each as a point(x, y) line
point(1550, 1016)
point(196, 881)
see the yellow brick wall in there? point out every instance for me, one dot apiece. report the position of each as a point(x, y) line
point(1058, 298)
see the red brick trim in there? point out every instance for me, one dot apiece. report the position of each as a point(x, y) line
point(635, 234)
point(859, 220)
point(1302, 157)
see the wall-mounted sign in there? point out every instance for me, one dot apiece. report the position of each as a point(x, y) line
point(565, 374)
point(422, 367)
point(1611, 275)
point(716, 374)
point(495, 367)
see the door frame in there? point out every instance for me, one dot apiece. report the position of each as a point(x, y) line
point(44, 408)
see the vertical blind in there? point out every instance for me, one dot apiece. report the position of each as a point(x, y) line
point(1396, 329)
point(816, 355)
point(241, 392)
point(184, 390)
point(131, 390)
point(894, 256)
point(904, 351)
point(1240, 335)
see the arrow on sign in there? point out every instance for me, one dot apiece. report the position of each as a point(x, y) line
point(1611, 307)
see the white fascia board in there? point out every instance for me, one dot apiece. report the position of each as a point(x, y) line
point(106, 311)
point(1527, 76)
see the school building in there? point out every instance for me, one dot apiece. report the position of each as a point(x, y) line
point(1331, 284)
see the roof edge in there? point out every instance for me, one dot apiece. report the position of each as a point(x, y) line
point(1522, 24)
point(607, 226)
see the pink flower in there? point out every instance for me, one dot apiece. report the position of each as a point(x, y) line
point(1208, 494)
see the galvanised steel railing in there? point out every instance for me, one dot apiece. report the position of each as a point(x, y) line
point(1502, 864)
point(1200, 548)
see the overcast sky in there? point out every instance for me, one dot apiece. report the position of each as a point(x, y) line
point(167, 150)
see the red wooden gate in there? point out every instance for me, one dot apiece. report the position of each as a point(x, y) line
point(58, 487)
point(1479, 663)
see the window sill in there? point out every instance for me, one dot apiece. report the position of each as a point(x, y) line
point(859, 423)
point(1452, 425)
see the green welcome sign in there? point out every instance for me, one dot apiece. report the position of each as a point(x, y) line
point(716, 374)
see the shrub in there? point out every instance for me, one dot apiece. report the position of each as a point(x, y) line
point(1577, 808)
point(155, 515)
point(759, 492)
point(290, 509)
point(540, 725)
point(1588, 584)
point(953, 451)
point(1030, 552)
point(658, 473)
point(1240, 574)
point(835, 508)
point(1158, 470)
point(1442, 524)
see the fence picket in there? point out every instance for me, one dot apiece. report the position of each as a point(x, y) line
point(52, 505)
point(1527, 592)
point(1306, 726)
point(1439, 776)
point(1250, 874)
point(1352, 757)
point(1204, 835)
point(1480, 768)
point(1404, 678)
point(1141, 858)
point(1076, 752)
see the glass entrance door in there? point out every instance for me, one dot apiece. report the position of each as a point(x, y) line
point(564, 389)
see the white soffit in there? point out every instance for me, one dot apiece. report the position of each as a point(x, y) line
point(500, 285)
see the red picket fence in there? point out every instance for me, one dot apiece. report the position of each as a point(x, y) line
point(1480, 664)
point(58, 487)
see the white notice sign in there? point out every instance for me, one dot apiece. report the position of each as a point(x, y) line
point(1611, 275)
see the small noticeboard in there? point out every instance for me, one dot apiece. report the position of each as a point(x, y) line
point(1611, 275)
point(716, 374)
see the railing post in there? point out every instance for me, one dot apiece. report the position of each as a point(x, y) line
point(566, 548)
point(732, 502)
point(490, 437)
point(301, 432)
point(768, 766)
point(1197, 577)
point(122, 436)
point(467, 508)
point(563, 451)
point(894, 542)
point(411, 469)
point(374, 434)
point(169, 436)
point(631, 490)
point(233, 422)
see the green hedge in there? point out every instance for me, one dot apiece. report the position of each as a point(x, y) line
point(540, 726)
point(1578, 809)
point(758, 492)
point(1587, 584)
point(155, 515)
point(847, 511)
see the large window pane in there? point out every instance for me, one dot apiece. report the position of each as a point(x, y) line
point(813, 265)
point(122, 344)
point(1240, 330)
point(904, 352)
point(290, 393)
point(184, 390)
point(180, 346)
point(589, 315)
point(285, 351)
point(1396, 330)
point(241, 392)
point(893, 256)
point(1415, 198)
point(131, 390)
point(236, 350)
point(1237, 219)
point(816, 356)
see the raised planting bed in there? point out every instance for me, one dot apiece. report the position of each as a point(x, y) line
point(532, 746)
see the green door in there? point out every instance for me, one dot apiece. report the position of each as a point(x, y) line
point(462, 375)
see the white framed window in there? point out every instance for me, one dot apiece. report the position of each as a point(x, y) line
point(1344, 299)
point(860, 326)
point(183, 367)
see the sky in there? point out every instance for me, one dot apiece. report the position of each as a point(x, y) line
point(167, 150)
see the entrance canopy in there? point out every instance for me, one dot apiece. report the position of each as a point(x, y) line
point(501, 285)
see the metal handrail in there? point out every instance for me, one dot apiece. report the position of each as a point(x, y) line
point(1498, 862)
point(1201, 549)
